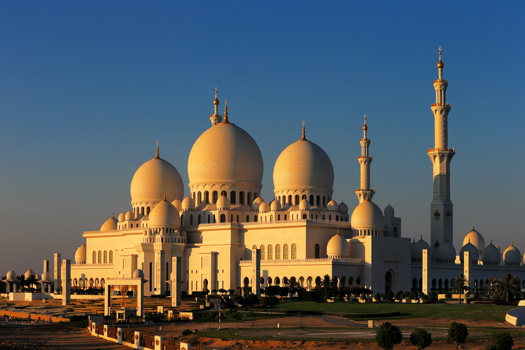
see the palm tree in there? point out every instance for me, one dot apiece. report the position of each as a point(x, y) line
point(326, 282)
point(508, 284)
point(459, 285)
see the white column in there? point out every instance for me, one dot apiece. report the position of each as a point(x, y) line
point(256, 272)
point(425, 265)
point(66, 282)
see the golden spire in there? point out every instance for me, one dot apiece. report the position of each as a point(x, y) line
point(440, 65)
point(365, 128)
point(304, 133)
point(157, 156)
point(338, 231)
point(225, 121)
point(216, 102)
point(165, 197)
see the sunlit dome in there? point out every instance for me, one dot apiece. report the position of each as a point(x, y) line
point(225, 154)
point(367, 215)
point(476, 239)
point(305, 167)
point(153, 180)
point(223, 203)
point(29, 273)
point(257, 203)
point(164, 214)
point(138, 274)
point(10, 276)
point(129, 215)
point(122, 216)
point(332, 206)
point(337, 247)
point(275, 205)
point(110, 224)
point(188, 203)
point(46, 277)
point(512, 255)
point(264, 207)
point(80, 254)
point(304, 204)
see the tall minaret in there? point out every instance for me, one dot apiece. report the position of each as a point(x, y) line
point(441, 214)
point(365, 193)
point(215, 118)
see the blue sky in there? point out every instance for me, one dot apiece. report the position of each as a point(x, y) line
point(87, 88)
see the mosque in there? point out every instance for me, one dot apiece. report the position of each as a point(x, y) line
point(302, 233)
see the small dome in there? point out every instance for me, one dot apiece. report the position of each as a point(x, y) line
point(343, 208)
point(304, 204)
point(337, 247)
point(46, 277)
point(29, 273)
point(177, 204)
point(389, 210)
point(332, 206)
point(80, 254)
point(367, 215)
point(129, 215)
point(155, 179)
point(511, 255)
point(416, 248)
point(471, 248)
point(264, 207)
point(303, 165)
point(257, 203)
point(138, 274)
point(491, 255)
point(225, 154)
point(223, 203)
point(164, 214)
point(110, 224)
point(476, 239)
point(188, 204)
point(10, 276)
point(275, 205)
point(122, 217)
point(446, 253)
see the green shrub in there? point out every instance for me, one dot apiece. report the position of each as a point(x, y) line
point(399, 294)
point(187, 332)
point(388, 335)
point(501, 341)
point(420, 338)
point(457, 332)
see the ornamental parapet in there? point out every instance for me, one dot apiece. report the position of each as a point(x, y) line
point(440, 105)
point(444, 150)
point(302, 261)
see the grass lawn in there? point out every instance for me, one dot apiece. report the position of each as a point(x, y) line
point(433, 311)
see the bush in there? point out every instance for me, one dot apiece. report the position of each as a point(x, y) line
point(457, 332)
point(389, 296)
point(420, 338)
point(271, 290)
point(432, 297)
point(448, 295)
point(501, 341)
point(388, 335)
point(187, 332)
point(377, 296)
point(309, 296)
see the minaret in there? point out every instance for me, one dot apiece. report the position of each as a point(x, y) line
point(441, 214)
point(215, 118)
point(365, 193)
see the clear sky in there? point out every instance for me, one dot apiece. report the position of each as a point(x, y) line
point(87, 88)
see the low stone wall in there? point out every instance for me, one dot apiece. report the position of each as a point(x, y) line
point(32, 317)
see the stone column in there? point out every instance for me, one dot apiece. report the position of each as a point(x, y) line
point(466, 268)
point(425, 265)
point(57, 272)
point(136, 339)
point(256, 272)
point(213, 271)
point(176, 272)
point(107, 300)
point(158, 342)
point(140, 298)
point(120, 335)
point(66, 282)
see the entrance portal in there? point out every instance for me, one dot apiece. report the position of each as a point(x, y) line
point(389, 280)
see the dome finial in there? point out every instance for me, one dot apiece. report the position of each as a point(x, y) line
point(112, 214)
point(365, 128)
point(473, 227)
point(304, 133)
point(157, 156)
point(337, 231)
point(440, 65)
point(164, 197)
point(225, 121)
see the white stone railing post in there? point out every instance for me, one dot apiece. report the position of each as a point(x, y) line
point(136, 339)
point(184, 346)
point(158, 342)
point(106, 330)
point(120, 335)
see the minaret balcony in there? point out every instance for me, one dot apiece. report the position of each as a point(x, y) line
point(441, 105)
point(444, 150)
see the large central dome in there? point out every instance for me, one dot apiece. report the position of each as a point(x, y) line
point(225, 153)
point(225, 160)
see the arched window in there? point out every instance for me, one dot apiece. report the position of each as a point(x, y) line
point(277, 252)
point(105, 256)
point(285, 252)
point(358, 281)
point(395, 231)
point(94, 259)
point(290, 199)
point(263, 252)
point(249, 201)
point(191, 219)
point(207, 197)
point(215, 197)
point(233, 197)
point(241, 197)
point(270, 252)
point(318, 200)
point(277, 281)
point(199, 198)
point(247, 218)
point(296, 199)
point(294, 251)
point(311, 199)
point(99, 257)
point(223, 218)
point(317, 250)
point(111, 257)
point(224, 193)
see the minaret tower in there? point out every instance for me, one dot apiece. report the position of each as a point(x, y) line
point(215, 118)
point(365, 193)
point(441, 213)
